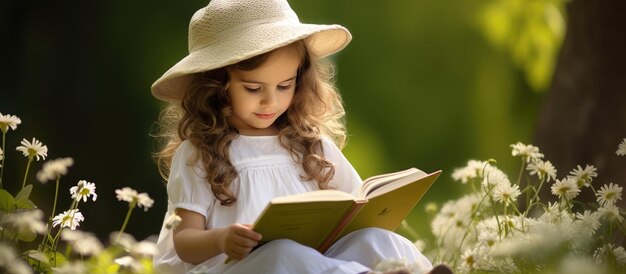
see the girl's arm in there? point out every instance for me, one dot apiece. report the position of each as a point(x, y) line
point(195, 244)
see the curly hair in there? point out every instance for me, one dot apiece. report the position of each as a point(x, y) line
point(316, 110)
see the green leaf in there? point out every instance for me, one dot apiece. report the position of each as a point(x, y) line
point(7, 202)
point(26, 235)
point(24, 193)
point(25, 203)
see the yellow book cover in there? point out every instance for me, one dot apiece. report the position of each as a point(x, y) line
point(318, 218)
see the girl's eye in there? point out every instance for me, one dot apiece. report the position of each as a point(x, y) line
point(284, 87)
point(252, 89)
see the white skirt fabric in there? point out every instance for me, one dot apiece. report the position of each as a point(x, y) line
point(357, 252)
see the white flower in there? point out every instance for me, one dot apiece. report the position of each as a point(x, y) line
point(611, 213)
point(470, 259)
point(24, 220)
point(610, 251)
point(621, 149)
point(506, 193)
point(609, 194)
point(33, 149)
point(566, 188)
point(528, 152)
point(9, 121)
point(172, 221)
point(83, 190)
point(493, 177)
point(54, 168)
point(620, 255)
point(143, 200)
point(1, 155)
point(143, 249)
point(126, 194)
point(83, 243)
point(10, 263)
point(130, 263)
point(588, 221)
point(583, 177)
point(70, 218)
point(131, 196)
point(544, 170)
point(472, 170)
point(488, 238)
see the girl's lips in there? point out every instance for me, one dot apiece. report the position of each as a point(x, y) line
point(265, 116)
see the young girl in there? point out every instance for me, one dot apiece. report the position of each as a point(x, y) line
point(254, 115)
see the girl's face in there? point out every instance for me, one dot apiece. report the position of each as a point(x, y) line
point(259, 96)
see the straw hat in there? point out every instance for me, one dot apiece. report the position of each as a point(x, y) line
point(228, 31)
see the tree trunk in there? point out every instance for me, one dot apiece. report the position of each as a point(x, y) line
point(583, 118)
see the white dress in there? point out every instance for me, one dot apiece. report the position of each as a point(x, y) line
point(265, 170)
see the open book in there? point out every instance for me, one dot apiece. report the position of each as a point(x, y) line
point(318, 218)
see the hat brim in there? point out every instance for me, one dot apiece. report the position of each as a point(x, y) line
point(321, 40)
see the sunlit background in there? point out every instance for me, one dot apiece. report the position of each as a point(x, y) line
point(426, 83)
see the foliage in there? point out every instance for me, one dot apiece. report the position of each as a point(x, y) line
point(62, 248)
point(531, 32)
point(486, 231)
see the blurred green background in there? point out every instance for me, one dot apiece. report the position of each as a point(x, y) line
point(426, 83)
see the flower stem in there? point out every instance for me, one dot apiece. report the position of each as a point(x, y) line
point(131, 206)
point(54, 208)
point(530, 204)
point(56, 194)
point(30, 160)
point(4, 135)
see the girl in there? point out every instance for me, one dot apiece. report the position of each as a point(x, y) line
point(254, 115)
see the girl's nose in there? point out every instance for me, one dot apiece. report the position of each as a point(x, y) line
point(270, 98)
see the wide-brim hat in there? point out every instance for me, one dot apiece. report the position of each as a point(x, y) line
point(226, 32)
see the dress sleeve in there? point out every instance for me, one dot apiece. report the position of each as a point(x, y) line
point(346, 178)
point(186, 186)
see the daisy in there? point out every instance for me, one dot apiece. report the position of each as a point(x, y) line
point(493, 177)
point(130, 263)
point(9, 121)
point(603, 252)
point(472, 170)
point(83, 243)
point(143, 249)
point(33, 149)
point(621, 149)
point(488, 238)
point(126, 194)
point(132, 197)
point(83, 190)
point(544, 170)
point(565, 188)
point(611, 213)
point(54, 168)
point(609, 194)
point(143, 200)
point(528, 152)
point(70, 218)
point(506, 193)
point(588, 220)
point(10, 262)
point(172, 221)
point(25, 220)
point(584, 176)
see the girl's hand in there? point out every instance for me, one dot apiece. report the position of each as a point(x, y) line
point(239, 240)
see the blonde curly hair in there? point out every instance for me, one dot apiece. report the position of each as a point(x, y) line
point(201, 117)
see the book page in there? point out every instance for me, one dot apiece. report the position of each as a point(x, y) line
point(377, 185)
point(308, 223)
point(389, 209)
